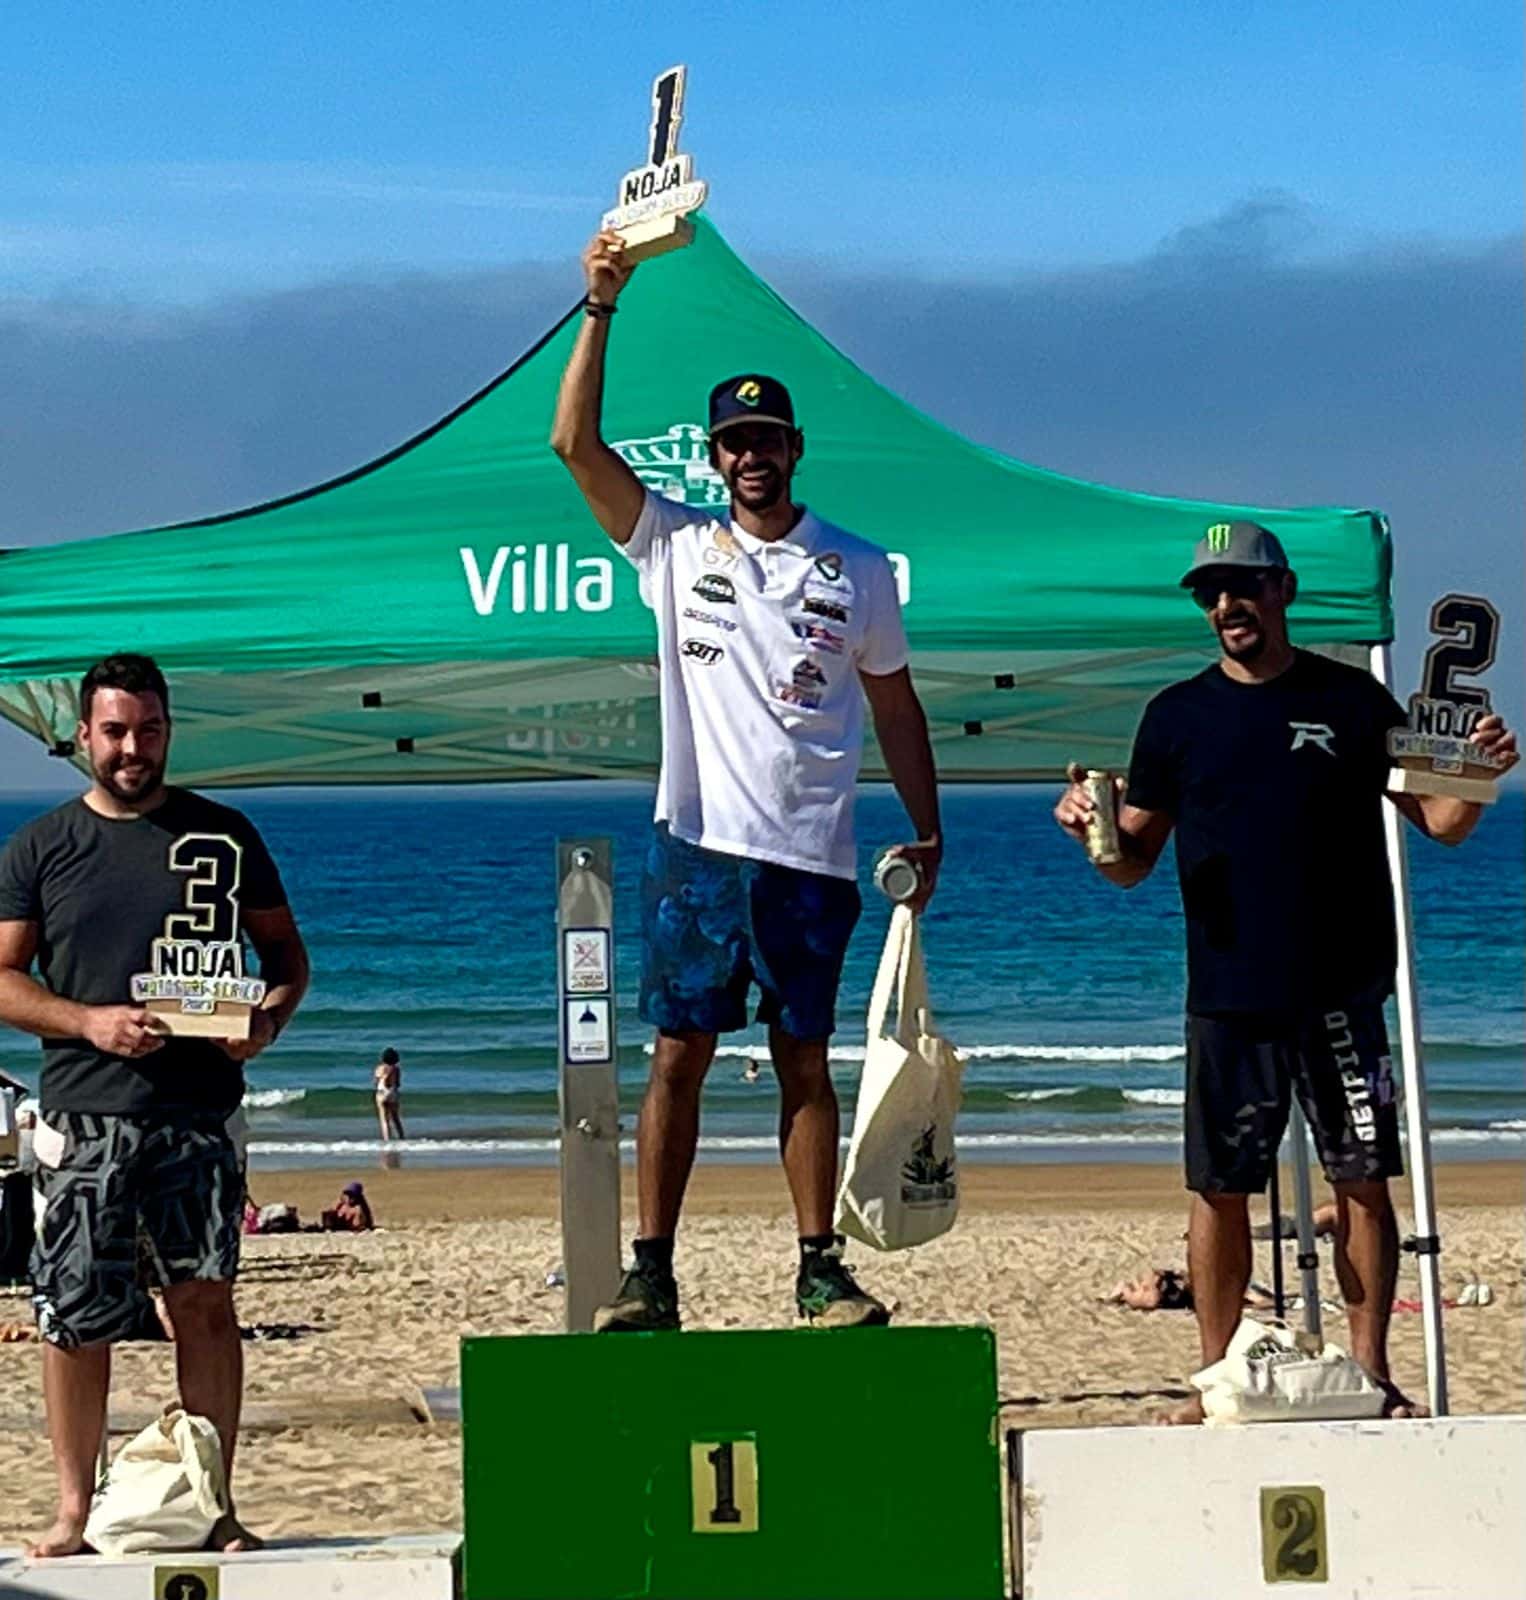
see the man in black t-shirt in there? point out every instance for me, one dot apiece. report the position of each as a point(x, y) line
point(132, 1138)
point(1271, 767)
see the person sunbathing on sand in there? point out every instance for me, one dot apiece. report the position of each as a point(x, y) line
point(1166, 1289)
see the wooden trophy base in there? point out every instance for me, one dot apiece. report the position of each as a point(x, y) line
point(643, 240)
point(228, 1019)
point(1473, 783)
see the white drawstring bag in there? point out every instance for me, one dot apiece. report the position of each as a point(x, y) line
point(1270, 1373)
point(901, 1184)
point(165, 1490)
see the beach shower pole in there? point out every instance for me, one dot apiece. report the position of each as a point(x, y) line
point(587, 1076)
point(1427, 1242)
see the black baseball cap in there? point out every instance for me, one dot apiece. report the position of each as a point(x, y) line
point(1236, 544)
point(750, 397)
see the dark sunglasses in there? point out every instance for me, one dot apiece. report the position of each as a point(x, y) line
point(745, 436)
point(1243, 583)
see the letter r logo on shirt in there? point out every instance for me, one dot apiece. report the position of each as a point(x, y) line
point(1320, 733)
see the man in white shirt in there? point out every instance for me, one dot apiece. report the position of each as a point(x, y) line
point(774, 627)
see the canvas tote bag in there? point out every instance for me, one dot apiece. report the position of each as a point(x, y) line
point(165, 1490)
point(1271, 1373)
point(901, 1184)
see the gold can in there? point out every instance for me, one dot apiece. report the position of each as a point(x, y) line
point(1102, 842)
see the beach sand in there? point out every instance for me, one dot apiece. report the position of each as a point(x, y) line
point(467, 1250)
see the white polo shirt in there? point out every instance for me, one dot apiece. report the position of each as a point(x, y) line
point(761, 644)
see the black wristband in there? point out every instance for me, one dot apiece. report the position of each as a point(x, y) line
point(599, 310)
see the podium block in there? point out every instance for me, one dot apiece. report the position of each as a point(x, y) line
point(851, 1462)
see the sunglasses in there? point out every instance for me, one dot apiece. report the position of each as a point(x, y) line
point(1244, 583)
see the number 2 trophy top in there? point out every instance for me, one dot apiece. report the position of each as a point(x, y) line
point(1435, 753)
point(656, 198)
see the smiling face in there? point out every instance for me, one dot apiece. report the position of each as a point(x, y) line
point(127, 741)
point(1246, 607)
point(757, 461)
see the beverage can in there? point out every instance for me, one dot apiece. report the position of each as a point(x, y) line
point(898, 878)
point(1102, 842)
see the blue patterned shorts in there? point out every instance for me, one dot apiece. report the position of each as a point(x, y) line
point(712, 925)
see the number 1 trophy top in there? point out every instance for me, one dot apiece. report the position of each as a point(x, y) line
point(1435, 753)
point(657, 197)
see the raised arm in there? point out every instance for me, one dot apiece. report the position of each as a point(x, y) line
point(613, 492)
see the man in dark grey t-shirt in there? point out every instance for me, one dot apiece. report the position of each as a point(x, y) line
point(132, 1138)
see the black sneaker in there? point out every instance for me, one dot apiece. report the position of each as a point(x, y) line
point(647, 1303)
point(828, 1296)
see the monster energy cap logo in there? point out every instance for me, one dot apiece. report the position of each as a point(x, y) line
point(1236, 544)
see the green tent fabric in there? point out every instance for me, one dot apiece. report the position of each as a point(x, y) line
point(451, 612)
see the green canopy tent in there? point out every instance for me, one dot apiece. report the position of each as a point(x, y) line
point(451, 613)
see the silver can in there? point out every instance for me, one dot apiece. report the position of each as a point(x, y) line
point(1102, 842)
point(898, 878)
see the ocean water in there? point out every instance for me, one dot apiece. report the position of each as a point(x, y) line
point(430, 916)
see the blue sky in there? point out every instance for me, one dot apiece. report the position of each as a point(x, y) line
point(171, 151)
point(1260, 252)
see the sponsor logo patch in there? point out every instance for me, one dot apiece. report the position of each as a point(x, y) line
point(806, 699)
point(808, 675)
point(710, 618)
point(716, 589)
point(829, 565)
point(824, 608)
point(702, 651)
point(819, 636)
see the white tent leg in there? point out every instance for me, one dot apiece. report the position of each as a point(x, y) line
point(1427, 1240)
point(1303, 1210)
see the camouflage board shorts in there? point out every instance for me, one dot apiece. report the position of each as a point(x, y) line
point(108, 1182)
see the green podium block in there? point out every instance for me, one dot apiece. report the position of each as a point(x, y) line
point(854, 1462)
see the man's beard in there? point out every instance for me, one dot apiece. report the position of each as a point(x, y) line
point(765, 498)
point(130, 789)
point(1251, 648)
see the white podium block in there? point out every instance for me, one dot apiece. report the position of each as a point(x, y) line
point(1392, 1509)
point(422, 1567)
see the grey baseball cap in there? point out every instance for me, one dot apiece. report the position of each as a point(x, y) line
point(1236, 544)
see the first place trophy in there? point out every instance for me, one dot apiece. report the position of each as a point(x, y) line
point(1434, 753)
point(657, 197)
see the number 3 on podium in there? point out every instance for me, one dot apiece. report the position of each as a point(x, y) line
point(723, 1474)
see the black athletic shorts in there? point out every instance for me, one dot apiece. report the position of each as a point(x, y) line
point(1241, 1072)
point(108, 1182)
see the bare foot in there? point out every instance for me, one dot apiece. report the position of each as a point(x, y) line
point(65, 1538)
point(230, 1536)
point(1397, 1404)
point(1187, 1415)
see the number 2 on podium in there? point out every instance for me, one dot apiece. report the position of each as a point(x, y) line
point(724, 1480)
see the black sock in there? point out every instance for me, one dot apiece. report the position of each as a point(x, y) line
point(816, 1244)
point(655, 1253)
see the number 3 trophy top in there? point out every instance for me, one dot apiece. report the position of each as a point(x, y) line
point(1435, 754)
point(656, 199)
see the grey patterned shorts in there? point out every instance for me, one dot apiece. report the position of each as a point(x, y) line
point(172, 1181)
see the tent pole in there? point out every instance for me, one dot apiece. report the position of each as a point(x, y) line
point(1303, 1211)
point(1274, 1201)
point(1427, 1241)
